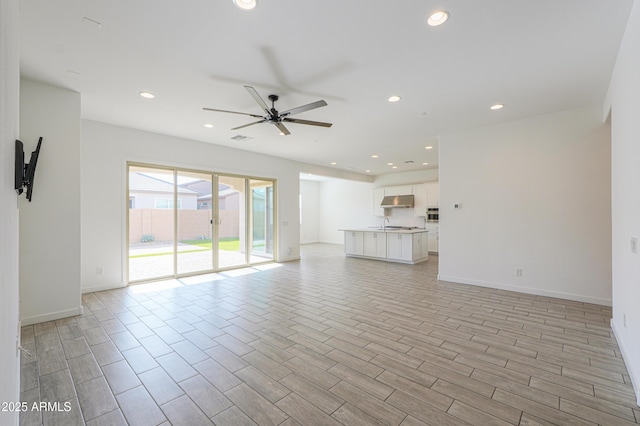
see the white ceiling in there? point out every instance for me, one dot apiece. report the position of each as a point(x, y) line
point(533, 56)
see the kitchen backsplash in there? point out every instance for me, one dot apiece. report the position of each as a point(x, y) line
point(403, 217)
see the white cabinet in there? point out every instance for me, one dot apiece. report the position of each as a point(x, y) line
point(433, 242)
point(398, 190)
point(433, 195)
point(405, 247)
point(378, 195)
point(354, 243)
point(400, 246)
point(420, 199)
point(425, 195)
point(375, 244)
point(420, 246)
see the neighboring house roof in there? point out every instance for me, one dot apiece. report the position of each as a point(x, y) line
point(139, 182)
point(200, 186)
point(203, 188)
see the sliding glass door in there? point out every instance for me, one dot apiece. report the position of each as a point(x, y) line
point(262, 220)
point(195, 216)
point(183, 222)
point(152, 194)
point(232, 216)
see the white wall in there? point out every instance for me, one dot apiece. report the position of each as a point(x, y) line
point(50, 224)
point(310, 194)
point(535, 195)
point(624, 104)
point(344, 204)
point(9, 104)
point(418, 176)
point(105, 152)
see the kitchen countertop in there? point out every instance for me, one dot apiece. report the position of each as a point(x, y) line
point(388, 230)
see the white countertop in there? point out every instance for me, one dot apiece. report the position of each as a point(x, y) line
point(387, 230)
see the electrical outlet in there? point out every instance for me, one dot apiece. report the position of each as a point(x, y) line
point(518, 272)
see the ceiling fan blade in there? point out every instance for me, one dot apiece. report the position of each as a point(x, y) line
point(311, 123)
point(231, 112)
point(250, 124)
point(254, 94)
point(313, 105)
point(282, 128)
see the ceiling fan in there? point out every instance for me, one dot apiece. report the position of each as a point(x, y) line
point(273, 116)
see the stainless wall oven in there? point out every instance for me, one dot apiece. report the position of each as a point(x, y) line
point(432, 214)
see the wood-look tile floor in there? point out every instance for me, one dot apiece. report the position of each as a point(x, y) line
point(327, 340)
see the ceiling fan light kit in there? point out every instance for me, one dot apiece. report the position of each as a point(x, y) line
point(273, 116)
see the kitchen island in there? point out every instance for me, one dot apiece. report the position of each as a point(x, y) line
point(404, 245)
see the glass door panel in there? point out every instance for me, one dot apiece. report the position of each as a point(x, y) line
point(230, 224)
point(262, 221)
point(194, 227)
point(151, 223)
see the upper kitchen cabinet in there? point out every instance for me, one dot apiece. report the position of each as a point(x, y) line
point(433, 195)
point(398, 190)
point(425, 195)
point(380, 193)
point(420, 199)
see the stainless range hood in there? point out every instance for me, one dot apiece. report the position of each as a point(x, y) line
point(397, 201)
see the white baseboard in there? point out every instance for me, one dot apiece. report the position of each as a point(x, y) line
point(635, 378)
point(527, 290)
point(289, 259)
point(102, 288)
point(52, 316)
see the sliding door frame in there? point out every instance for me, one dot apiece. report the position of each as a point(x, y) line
point(215, 221)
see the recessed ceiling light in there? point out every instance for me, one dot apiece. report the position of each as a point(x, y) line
point(374, 156)
point(208, 125)
point(394, 167)
point(147, 95)
point(389, 164)
point(438, 18)
point(333, 163)
point(281, 133)
point(368, 171)
point(496, 106)
point(394, 98)
point(424, 164)
point(428, 147)
point(245, 4)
